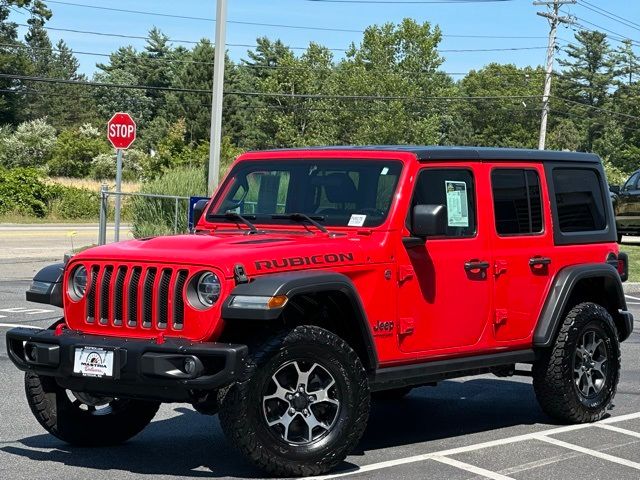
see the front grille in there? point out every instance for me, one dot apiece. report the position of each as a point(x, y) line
point(139, 297)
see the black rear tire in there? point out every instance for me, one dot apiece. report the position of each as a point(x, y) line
point(576, 380)
point(312, 381)
point(82, 424)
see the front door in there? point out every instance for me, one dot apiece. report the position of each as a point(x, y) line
point(445, 283)
point(522, 245)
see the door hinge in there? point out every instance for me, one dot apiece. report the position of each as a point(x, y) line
point(407, 325)
point(405, 272)
point(501, 316)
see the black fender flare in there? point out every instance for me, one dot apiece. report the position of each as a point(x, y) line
point(46, 286)
point(296, 283)
point(561, 290)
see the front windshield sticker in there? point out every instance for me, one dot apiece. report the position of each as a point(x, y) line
point(457, 205)
point(357, 220)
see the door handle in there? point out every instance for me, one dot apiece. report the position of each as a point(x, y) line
point(539, 261)
point(472, 265)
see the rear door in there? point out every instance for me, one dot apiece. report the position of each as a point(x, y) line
point(522, 246)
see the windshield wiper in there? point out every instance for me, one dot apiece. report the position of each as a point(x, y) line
point(237, 216)
point(301, 217)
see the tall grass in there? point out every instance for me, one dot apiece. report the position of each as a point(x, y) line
point(154, 216)
point(93, 185)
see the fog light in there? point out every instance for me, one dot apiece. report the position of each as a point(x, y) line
point(189, 366)
point(31, 352)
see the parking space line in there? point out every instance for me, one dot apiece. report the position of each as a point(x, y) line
point(588, 451)
point(620, 430)
point(18, 325)
point(632, 298)
point(479, 446)
point(470, 468)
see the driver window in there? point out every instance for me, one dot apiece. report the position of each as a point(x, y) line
point(453, 188)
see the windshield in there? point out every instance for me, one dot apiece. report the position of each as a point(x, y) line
point(341, 193)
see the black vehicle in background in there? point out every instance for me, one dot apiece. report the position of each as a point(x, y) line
point(626, 203)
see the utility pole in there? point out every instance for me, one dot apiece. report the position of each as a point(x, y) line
point(217, 94)
point(554, 20)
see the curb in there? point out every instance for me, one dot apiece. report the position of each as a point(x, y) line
point(631, 288)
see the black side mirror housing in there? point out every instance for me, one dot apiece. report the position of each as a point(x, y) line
point(198, 210)
point(429, 221)
point(614, 188)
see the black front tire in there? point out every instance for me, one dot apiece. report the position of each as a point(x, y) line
point(69, 419)
point(319, 365)
point(564, 387)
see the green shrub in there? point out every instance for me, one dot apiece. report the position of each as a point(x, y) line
point(154, 216)
point(74, 151)
point(71, 203)
point(30, 146)
point(23, 192)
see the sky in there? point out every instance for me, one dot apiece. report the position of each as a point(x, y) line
point(516, 18)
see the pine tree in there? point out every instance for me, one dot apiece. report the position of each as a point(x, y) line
point(588, 77)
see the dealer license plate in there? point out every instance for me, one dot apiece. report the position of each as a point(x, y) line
point(93, 362)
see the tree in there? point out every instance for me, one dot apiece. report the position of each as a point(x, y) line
point(502, 122)
point(14, 59)
point(75, 150)
point(110, 100)
point(399, 61)
point(587, 79)
point(30, 146)
point(626, 63)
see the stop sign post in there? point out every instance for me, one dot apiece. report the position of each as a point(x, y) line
point(121, 132)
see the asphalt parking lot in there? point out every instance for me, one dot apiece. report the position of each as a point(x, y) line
point(480, 427)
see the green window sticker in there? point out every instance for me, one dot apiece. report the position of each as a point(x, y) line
point(457, 204)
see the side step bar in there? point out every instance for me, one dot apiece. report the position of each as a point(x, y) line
point(422, 373)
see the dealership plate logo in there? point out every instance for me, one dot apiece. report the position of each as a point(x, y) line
point(93, 362)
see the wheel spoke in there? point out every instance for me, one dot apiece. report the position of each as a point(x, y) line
point(322, 395)
point(280, 393)
point(590, 385)
point(600, 368)
point(312, 422)
point(303, 377)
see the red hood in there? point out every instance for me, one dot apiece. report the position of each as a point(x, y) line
point(258, 253)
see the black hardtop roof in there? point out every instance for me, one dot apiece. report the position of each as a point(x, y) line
point(466, 153)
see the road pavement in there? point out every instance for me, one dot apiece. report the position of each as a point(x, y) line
point(478, 427)
point(48, 241)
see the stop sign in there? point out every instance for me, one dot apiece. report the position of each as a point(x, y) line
point(121, 130)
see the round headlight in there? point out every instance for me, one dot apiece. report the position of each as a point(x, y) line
point(78, 282)
point(208, 289)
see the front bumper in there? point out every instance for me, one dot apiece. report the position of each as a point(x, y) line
point(142, 368)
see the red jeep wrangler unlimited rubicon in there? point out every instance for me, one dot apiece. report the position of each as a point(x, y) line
point(318, 276)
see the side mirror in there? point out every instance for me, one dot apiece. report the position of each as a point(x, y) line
point(614, 188)
point(198, 210)
point(429, 220)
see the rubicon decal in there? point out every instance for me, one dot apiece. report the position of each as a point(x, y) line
point(328, 258)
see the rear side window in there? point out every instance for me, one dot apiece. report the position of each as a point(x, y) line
point(580, 205)
point(516, 201)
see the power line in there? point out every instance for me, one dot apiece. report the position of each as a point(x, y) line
point(608, 14)
point(312, 96)
point(246, 45)
point(261, 24)
point(252, 66)
point(28, 78)
point(621, 38)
